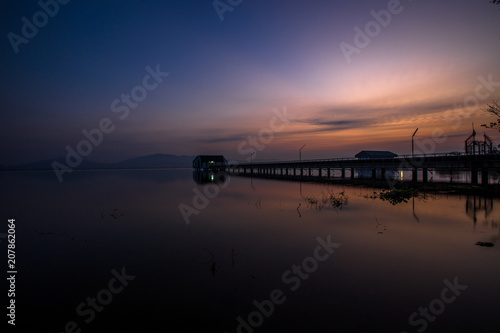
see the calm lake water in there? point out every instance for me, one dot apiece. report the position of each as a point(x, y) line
point(257, 256)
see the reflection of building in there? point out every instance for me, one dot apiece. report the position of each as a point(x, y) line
point(474, 204)
point(209, 162)
point(207, 176)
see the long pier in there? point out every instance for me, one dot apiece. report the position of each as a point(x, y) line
point(420, 167)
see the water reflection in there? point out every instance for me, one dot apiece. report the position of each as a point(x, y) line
point(204, 275)
point(208, 176)
point(474, 205)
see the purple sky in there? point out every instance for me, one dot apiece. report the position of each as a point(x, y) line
point(226, 77)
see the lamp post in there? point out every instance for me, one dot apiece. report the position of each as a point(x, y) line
point(300, 161)
point(412, 144)
point(251, 171)
point(300, 153)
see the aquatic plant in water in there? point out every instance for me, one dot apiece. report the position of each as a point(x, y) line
point(329, 199)
point(397, 196)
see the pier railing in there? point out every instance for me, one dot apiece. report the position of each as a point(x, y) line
point(379, 168)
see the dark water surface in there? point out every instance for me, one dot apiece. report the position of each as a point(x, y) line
point(253, 258)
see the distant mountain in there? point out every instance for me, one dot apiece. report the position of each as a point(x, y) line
point(156, 161)
point(142, 162)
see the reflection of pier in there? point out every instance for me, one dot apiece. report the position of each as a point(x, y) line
point(419, 166)
point(474, 204)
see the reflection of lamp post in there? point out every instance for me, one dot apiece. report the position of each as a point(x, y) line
point(412, 144)
point(301, 173)
point(300, 153)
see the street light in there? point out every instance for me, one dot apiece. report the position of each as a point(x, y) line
point(300, 153)
point(412, 144)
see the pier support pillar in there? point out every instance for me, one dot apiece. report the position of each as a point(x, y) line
point(342, 171)
point(424, 175)
point(414, 175)
point(329, 172)
point(319, 173)
point(374, 173)
point(473, 176)
point(383, 173)
point(484, 176)
point(352, 173)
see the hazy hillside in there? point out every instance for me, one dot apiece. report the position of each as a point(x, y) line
point(142, 162)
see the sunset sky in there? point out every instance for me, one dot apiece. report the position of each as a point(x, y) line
point(227, 76)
